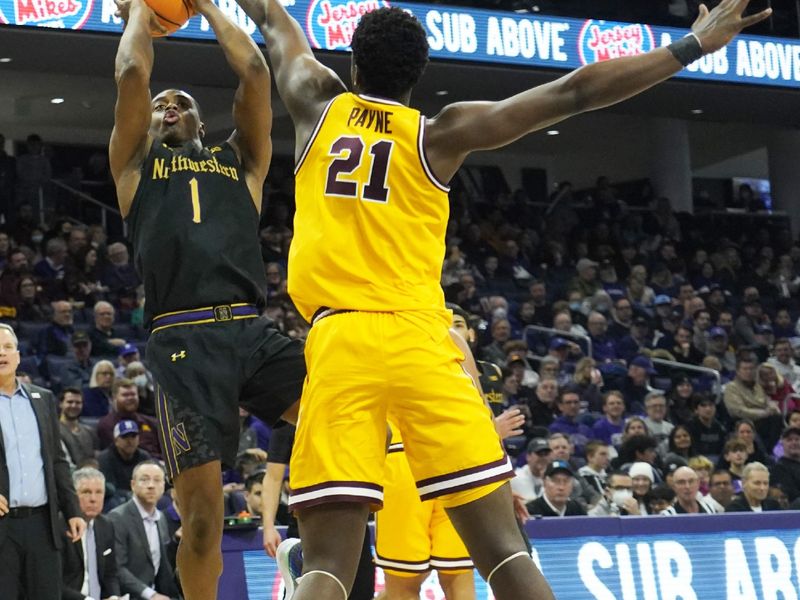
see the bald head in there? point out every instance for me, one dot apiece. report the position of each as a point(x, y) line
point(686, 483)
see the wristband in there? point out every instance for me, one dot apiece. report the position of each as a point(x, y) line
point(686, 50)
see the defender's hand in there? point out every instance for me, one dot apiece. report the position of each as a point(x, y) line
point(520, 510)
point(716, 28)
point(509, 423)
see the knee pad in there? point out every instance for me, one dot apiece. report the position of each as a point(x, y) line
point(331, 575)
point(506, 560)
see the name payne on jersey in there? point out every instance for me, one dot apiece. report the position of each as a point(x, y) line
point(370, 119)
point(183, 163)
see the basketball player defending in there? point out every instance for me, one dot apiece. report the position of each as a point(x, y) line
point(364, 267)
point(193, 215)
point(414, 537)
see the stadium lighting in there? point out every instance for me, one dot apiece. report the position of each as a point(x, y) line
point(5, 59)
point(553, 132)
point(56, 100)
point(697, 111)
point(442, 92)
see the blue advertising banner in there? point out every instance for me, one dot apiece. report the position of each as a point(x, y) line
point(691, 557)
point(465, 35)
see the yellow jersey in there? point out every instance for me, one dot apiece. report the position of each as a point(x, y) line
point(371, 216)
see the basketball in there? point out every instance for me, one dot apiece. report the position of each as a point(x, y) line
point(171, 14)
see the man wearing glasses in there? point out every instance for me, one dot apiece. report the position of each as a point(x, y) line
point(617, 499)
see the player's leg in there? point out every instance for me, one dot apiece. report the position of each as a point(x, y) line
point(199, 553)
point(496, 547)
point(275, 370)
point(199, 430)
point(403, 528)
point(456, 455)
point(364, 583)
point(449, 556)
point(291, 413)
point(404, 588)
point(339, 451)
point(458, 586)
point(332, 535)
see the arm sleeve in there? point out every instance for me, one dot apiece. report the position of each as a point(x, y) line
point(280, 445)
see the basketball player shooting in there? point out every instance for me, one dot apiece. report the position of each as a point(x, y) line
point(193, 214)
point(364, 267)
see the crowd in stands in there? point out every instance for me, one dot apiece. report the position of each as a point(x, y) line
point(640, 345)
point(653, 357)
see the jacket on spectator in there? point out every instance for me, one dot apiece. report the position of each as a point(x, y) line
point(73, 565)
point(740, 504)
point(745, 403)
point(542, 507)
point(136, 571)
point(786, 475)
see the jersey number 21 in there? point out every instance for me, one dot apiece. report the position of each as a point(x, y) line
point(349, 152)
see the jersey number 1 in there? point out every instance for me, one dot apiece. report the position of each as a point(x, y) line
point(349, 152)
point(195, 200)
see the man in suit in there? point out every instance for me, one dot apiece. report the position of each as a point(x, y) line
point(34, 485)
point(141, 535)
point(89, 569)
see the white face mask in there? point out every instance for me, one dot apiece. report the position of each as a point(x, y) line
point(140, 380)
point(499, 313)
point(619, 497)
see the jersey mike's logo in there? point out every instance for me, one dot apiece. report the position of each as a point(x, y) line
point(330, 23)
point(602, 40)
point(57, 14)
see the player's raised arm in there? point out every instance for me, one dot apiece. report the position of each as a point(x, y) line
point(464, 127)
point(304, 84)
point(133, 66)
point(252, 112)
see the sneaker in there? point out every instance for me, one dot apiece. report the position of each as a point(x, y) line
point(290, 563)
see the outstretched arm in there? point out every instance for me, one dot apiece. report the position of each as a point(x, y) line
point(304, 84)
point(252, 112)
point(467, 126)
point(134, 64)
point(270, 499)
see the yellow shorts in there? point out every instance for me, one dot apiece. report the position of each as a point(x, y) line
point(364, 368)
point(412, 537)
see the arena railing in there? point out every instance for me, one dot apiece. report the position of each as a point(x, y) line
point(83, 198)
point(558, 333)
point(679, 366)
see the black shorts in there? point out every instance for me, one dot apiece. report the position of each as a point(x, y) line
point(204, 372)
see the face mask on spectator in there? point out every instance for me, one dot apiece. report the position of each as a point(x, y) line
point(140, 380)
point(575, 306)
point(620, 496)
point(499, 313)
point(37, 239)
